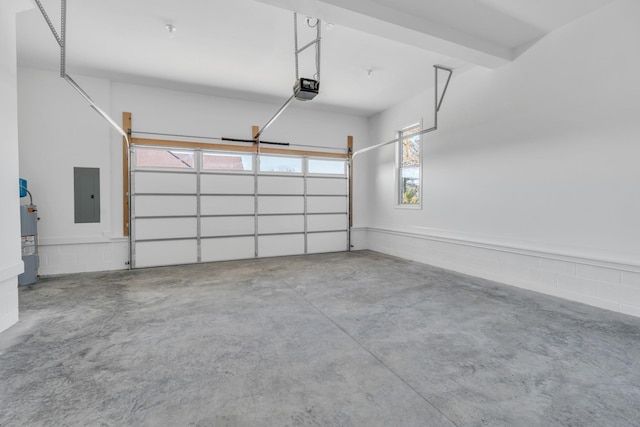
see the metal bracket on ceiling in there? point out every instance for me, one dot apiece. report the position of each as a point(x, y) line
point(438, 98)
point(62, 42)
point(304, 89)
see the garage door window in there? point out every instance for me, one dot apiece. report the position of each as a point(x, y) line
point(164, 158)
point(326, 167)
point(227, 162)
point(280, 164)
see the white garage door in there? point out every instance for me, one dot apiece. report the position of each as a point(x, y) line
point(191, 206)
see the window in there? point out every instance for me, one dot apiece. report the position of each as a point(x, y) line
point(164, 158)
point(409, 167)
point(227, 161)
point(280, 164)
point(326, 167)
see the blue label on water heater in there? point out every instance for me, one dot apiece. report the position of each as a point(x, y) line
point(23, 187)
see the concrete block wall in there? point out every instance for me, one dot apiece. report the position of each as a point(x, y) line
point(600, 283)
point(63, 256)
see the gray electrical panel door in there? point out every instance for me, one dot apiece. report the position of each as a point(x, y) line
point(86, 185)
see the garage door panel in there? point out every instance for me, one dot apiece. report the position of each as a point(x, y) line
point(280, 185)
point(227, 248)
point(327, 222)
point(327, 186)
point(326, 242)
point(227, 205)
point(227, 226)
point(226, 184)
point(165, 205)
point(292, 244)
point(280, 205)
point(281, 224)
point(165, 228)
point(189, 216)
point(158, 182)
point(326, 204)
point(172, 252)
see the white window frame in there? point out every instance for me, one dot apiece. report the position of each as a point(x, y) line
point(398, 170)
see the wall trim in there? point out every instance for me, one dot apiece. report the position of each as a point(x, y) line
point(84, 240)
point(10, 271)
point(602, 283)
point(623, 265)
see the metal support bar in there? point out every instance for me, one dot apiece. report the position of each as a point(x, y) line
point(62, 42)
point(318, 38)
point(437, 104)
point(49, 23)
point(97, 108)
point(373, 147)
point(253, 141)
point(273, 119)
point(296, 52)
point(446, 85)
point(63, 38)
point(308, 45)
point(295, 42)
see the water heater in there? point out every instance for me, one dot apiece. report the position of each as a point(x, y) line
point(29, 233)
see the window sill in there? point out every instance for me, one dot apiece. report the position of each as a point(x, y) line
point(408, 206)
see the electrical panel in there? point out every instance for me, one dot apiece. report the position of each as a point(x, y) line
point(86, 194)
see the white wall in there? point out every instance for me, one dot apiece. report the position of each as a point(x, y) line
point(10, 256)
point(59, 131)
point(532, 176)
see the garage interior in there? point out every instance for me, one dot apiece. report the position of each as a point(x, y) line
point(437, 227)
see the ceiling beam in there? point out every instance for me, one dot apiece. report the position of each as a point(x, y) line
point(374, 18)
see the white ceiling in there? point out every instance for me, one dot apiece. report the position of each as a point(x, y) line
point(244, 48)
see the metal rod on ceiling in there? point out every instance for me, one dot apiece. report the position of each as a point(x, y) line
point(63, 38)
point(373, 147)
point(273, 119)
point(437, 104)
point(295, 42)
point(446, 85)
point(296, 52)
point(49, 23)
point(62, 41)
point(318, 50)
point(308, 45)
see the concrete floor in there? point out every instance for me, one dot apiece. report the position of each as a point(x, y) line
point(356, 339)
